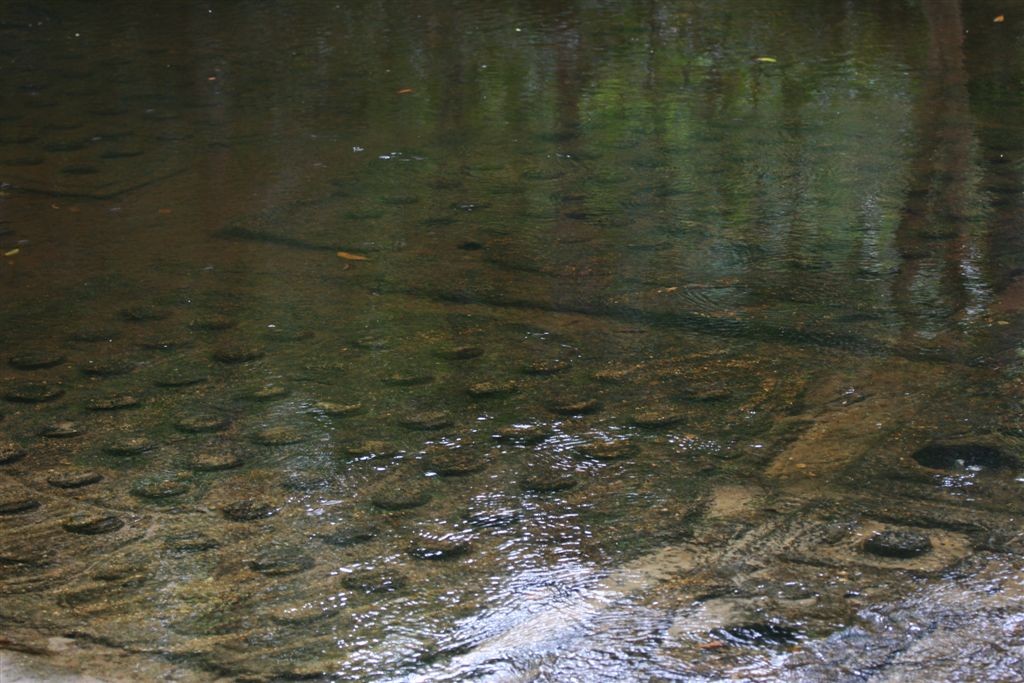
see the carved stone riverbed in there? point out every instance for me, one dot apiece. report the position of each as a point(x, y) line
point(515, 342)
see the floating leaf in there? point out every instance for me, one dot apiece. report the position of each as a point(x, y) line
point(406, 91)
point(766, 60)
point(12, 252)
point(351, 257)
point(1000, 19)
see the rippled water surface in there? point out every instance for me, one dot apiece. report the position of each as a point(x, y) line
point(512, 341)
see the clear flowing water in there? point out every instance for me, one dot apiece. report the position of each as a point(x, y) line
point(512, 341)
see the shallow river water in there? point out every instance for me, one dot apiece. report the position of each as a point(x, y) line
point(518, 341)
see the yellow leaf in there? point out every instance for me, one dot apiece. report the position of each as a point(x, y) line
point(12, 252)
point(766, 60)
point(999, 19)
point(351, 257)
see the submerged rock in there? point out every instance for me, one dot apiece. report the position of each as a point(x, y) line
point(897, 543)
point(202, 423)
point(575, 407)
point(144, 313)
point(74, 479)
point(13, 505)
point(658, 418)
point(281, 561)
point(454, 462)
point(180, 377)
point(92, 523)
point(278, 334)
point(65, 429)
point(190, 542)
point(32, 392)
point(401, 495)
point(214, 460)
point(10, 452)
point(401, 379)
point(614, 375)
point(165, 343)
point(608, 450)
point(107, 368)
point(489, 389)
point(440, 546)
point(338, 409)
point(428, 420)
point(765, 633)
point(960, 456)
point(129, 445)
point(115, 402)
point(460, 353)
point(705, 394)
point(237, 353)
point(306, 482)
point(282, 435)
point(269, 392)
point(494, 518)
point(305, 613)
point(371, 581)
point(94, 335)
point(160, 487)
point(369, 447)
point(527, 433)
point(547, 366)
point(248, 510)
point(549, 481)
point(344, 535)
point(371, 343)
point(213, 323)
point(36, 360)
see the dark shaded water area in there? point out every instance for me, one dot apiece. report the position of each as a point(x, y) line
point(512, 341)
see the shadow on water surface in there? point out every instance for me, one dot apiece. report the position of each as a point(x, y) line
point(531, 341)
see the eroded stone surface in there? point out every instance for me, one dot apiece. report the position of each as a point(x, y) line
point(36, 360)
point(74, 479)
point(64, 429)
point(235, 354)
point(129, 445)
point(371, 581)
point(32, 392)
point(11, 452)
point(492, 388)
point(897, 543)
point(278, 435)
point(440, 545)
point(426, 421)
point(92, 523)
point(114, 402)
point(334, 409)
point(202, 422)
point(248, 510)
point(14, 504)
point(157, 488)
point(455, 462)
point(214, 459)
point(281, 561)
point(401, 495)
point(548, 481)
